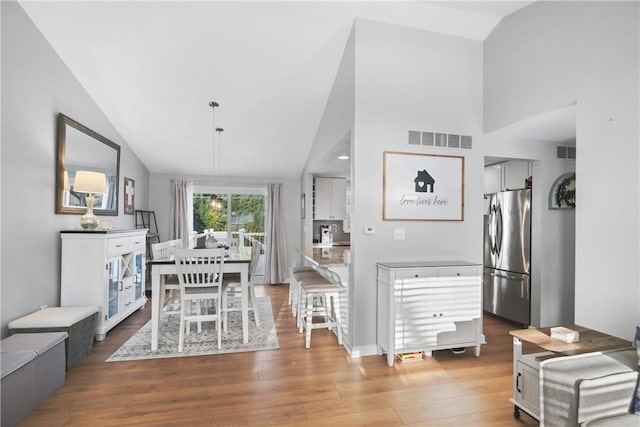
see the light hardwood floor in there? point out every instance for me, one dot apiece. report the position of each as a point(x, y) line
point(321, 386)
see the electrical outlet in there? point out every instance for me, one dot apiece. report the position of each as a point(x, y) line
point(398, 234)
point(369, 229)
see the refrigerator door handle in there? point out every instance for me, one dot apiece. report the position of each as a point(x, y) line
point(493, 230)
point(498, 236)
point(524, 289)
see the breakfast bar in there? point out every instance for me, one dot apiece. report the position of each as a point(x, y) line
point(330, 256)
point(338, 260)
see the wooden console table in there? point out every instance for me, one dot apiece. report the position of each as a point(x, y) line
point(526, 367)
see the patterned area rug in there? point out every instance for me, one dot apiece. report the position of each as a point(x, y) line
point(203, 343)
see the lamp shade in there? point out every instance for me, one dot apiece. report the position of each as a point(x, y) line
point(90, 182)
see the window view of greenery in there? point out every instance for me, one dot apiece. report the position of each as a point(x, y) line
point(247, 212)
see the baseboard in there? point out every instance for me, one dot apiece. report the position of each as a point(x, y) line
point(363, 350)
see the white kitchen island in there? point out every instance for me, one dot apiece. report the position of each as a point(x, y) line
point(426, 306)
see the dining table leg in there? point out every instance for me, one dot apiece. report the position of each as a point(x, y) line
point(244, 281)
point(156, 304)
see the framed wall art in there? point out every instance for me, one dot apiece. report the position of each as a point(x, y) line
point(562, 194)
point(129, 196)
point(422, 187)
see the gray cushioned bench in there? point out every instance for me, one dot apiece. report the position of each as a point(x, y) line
point(33, 367)
point(77, 321)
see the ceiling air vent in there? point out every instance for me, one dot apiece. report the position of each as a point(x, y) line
point(428, 138)
point(443, 140)
point(414, 137)
point(454, 141)
point(565, 152)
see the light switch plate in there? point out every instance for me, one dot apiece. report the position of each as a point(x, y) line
point(398, 234)
point(369, 229)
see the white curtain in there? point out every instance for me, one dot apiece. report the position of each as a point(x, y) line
point(112, 183)
point(274, 241)
point(181, 221)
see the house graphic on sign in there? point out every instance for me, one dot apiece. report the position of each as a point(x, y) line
point(424, 182)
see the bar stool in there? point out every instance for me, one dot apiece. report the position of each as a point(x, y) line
point(293, 286)
point(319, 296)
point(299, 277)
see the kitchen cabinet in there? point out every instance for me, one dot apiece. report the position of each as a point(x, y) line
point(515, 173)
point(509, 175)
point(492, 179)
point(526, 382)
point(329, 198)
point(427, 306)
point(106, 270)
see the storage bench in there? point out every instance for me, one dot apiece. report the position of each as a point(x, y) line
point(78, 322)
point(33, 367)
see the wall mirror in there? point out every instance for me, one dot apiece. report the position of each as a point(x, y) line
point(80, 148)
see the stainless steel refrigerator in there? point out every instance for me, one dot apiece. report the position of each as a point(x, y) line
point(507, 250)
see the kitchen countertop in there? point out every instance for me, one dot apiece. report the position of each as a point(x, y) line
point(346, 243)
point(418, 264)
point(327, 257)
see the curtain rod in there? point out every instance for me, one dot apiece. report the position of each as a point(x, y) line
point(224, 183)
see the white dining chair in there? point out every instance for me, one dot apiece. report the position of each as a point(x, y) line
point(233, 283)
point(163, 250)
point(200, 274)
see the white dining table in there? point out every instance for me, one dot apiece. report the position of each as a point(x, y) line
point(234, 263)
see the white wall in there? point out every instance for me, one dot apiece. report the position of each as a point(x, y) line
point(36, 86)
point(335, 124)
point(410, 79)
point(160, 199)
point(551, 54)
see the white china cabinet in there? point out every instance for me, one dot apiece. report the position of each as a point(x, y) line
point(426, 306)
point(104, 269)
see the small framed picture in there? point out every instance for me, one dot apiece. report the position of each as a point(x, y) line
point(129, 196)
point(562, 194)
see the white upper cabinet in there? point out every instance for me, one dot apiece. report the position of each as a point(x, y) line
point(330, 198)
point(492, 179)
point(511, 175)
point(516, 173)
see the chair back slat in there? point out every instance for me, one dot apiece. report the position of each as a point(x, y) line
point(199, 267)
point(256, 250)
point(165, 249)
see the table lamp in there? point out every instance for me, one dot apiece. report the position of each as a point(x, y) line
point(89, 182)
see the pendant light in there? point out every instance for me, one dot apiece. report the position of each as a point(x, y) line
point(215, 203)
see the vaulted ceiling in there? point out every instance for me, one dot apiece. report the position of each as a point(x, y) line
point(154, 66)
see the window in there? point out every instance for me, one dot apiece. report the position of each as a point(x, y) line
point(231, 210)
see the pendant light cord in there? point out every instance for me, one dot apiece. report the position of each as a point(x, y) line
point(219, 130)
point(213, 106)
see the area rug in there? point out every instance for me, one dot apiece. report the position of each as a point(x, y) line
point(203, 343)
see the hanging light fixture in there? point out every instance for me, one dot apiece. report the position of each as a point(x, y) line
point(216, 202)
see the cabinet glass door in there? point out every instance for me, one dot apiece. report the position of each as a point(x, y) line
point(138, 279)
point(113, 270)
